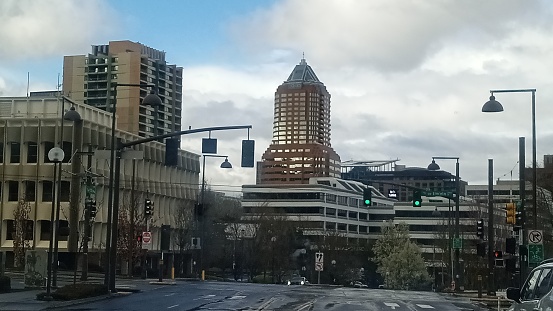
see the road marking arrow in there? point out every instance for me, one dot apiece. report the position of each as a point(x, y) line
point(392, 305)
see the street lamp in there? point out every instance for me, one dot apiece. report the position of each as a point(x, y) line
point(55, 155)
point(273, 240)
point(494, 106)
point(435, 166)
point(225, 164)
point(113, 195)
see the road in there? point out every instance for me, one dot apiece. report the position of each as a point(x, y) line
point(198, 296)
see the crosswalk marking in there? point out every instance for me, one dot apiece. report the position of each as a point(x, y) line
point(392, 305)
point(425, 306)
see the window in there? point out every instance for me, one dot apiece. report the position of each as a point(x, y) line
point(32, 152)
point(30, 191)
point(544, 284)
point(64, 191)
point(13, 191)
point(15, 155)
point(28, 229)
point(47, 191)
point(66, 146)
point(527, 292)
point(1, 152)
point(45, 230)
point(48, 145)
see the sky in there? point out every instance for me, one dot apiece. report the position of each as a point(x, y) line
point(407, 78)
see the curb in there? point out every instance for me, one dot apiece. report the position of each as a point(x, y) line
point(163, 283)
point(60, 304)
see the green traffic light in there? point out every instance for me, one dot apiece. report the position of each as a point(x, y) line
point(417, 203)
point(367, 202)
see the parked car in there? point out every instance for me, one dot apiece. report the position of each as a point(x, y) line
point(300, 280)
point(536, 293)
point(358, 284)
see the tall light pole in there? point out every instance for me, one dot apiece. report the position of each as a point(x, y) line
point(494, 106)
point(55, 155)
point(225, 164)
point(113, 194)
point(435, 166)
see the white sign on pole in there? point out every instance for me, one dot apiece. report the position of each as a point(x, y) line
point(319, 257)
point(319, 266)
point(535, 237)
point(146, 240)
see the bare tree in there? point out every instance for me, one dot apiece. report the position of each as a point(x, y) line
point(184, 222)
point(21, 228)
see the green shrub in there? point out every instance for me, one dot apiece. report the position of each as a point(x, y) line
point(79, 291)
point(5, 284)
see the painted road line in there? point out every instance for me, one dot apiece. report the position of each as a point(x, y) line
point(392, 305)
point(237, 297)
point(425, 306)
point(171, 294)
point(172, 306)
point(266, 304)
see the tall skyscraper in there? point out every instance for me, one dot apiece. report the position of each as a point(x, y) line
point(300, 147)
point(92, 78)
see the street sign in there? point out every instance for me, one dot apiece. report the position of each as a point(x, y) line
point(535, 237)
point(437, 193)
point(146, 239)
point(457, 243)
point(319, 266)
point(319, 257)
point(90, 190)
point(535, 253)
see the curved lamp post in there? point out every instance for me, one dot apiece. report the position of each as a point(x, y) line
point(493, 105)
point(113, 195)
point(434, 166)
point(55, 155)
point(225, 164)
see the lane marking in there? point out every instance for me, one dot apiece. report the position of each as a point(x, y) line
point(425, 306)
point(169, 295)
point(392, 305)
point(172, 306)
point(204, 297)
point(266, 304)
point(237, 297)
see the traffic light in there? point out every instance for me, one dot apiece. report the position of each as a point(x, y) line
point(367, 197)
point(510, 212)
point(90, 206)
point(172, 151)
point(148, 207)
point(511, 245)
point(498, 255)
point(511, 265)
point(417, 200)
point(481, 249)
point(518, 215)
point(480, 228)
point(139, 239)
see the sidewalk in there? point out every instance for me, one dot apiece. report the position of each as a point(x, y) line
point(24, 299)
point(485, 300)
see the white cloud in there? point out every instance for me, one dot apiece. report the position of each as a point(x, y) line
point(32, 29)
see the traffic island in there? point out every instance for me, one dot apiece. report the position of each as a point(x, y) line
point(75, 291)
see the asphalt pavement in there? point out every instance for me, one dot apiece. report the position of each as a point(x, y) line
point(21, 298)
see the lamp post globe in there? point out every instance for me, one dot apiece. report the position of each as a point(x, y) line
point(56, 154)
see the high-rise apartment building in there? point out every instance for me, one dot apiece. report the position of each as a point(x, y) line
point(92, 79)
point(300, 147)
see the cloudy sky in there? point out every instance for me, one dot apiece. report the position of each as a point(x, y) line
point(408, 78)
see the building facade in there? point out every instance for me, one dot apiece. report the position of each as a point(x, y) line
point(30, 127)
point(300, 148)
point(326, 206)
point(397, 180)
point(92, 79)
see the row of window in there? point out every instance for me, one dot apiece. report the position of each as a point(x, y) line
point(15, 155)
point(29, 229)
point(28, 191)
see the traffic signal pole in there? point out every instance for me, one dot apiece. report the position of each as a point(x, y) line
point(522, 192)
point(491, 263)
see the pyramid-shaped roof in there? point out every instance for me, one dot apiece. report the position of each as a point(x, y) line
point(303, 73)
